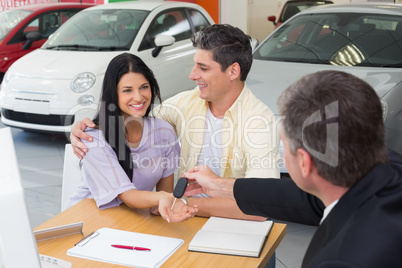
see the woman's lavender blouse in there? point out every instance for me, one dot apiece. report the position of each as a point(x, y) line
point(104, 179)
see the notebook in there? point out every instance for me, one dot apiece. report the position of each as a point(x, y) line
point(17, 242)
point(231, 236)
point(98, 246)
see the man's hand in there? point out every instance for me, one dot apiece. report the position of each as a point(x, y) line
point(77, 133)
point(203, 180)
point(180, 212)
point(200, 181)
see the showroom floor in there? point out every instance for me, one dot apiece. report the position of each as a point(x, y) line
point(40, 158)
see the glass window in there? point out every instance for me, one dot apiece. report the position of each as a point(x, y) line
point(172, 22)
point(347, 39)
point(109, 29)
point(33, 26)
point(198, 19)
point(50, 22)
point(45, 24)
point(9, 19)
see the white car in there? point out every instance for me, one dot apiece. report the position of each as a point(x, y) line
point(59, 84)
point(362, 39)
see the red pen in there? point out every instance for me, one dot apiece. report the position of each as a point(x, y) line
point(131, 247)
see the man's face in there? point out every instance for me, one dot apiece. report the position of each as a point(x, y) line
point(212, 82)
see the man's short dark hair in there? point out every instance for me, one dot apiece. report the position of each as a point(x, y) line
point(228, 45)
point(337, 118)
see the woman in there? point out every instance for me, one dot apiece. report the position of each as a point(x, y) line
point(131, 153)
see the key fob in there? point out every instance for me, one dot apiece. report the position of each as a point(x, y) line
point(180, 187)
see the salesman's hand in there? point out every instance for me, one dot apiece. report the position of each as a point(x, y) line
point(180, 212)
point(203, 180)
point(77, 133)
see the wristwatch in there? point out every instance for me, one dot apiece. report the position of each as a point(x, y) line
point(184, 199)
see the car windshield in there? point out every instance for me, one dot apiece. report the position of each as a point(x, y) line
point(10, 18)
point(347, 39)
point(95, 30)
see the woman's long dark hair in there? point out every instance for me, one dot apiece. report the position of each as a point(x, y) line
point(109, 119)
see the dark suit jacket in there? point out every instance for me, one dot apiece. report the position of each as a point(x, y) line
point(364, 229)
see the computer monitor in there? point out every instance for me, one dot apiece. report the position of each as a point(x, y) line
point(17, 242)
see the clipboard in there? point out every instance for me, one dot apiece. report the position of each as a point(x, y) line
point(97, 246)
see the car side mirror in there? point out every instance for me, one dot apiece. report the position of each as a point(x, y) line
point(31, 37)
point(273, 19)
point(161, 41)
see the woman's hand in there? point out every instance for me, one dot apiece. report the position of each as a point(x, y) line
point(180, 212)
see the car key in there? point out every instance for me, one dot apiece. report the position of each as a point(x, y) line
point(179, 190)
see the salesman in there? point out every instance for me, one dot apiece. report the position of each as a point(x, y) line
point(335, 152)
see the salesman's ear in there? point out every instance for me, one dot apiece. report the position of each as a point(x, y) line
point(305, 162)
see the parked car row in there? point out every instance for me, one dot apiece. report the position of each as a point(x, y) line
point(24, 29)
point(362, 39)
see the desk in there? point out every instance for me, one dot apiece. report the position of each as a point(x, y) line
point(142, 221)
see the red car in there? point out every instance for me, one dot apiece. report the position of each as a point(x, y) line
point(26, 28)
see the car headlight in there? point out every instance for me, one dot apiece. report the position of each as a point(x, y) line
point(82, 82)
point(384, 106)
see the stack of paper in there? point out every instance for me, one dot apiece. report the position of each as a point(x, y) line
point(98, 246)
point(230, 236)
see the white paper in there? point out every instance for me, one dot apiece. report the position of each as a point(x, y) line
point(237, 226)
point(230, 236)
